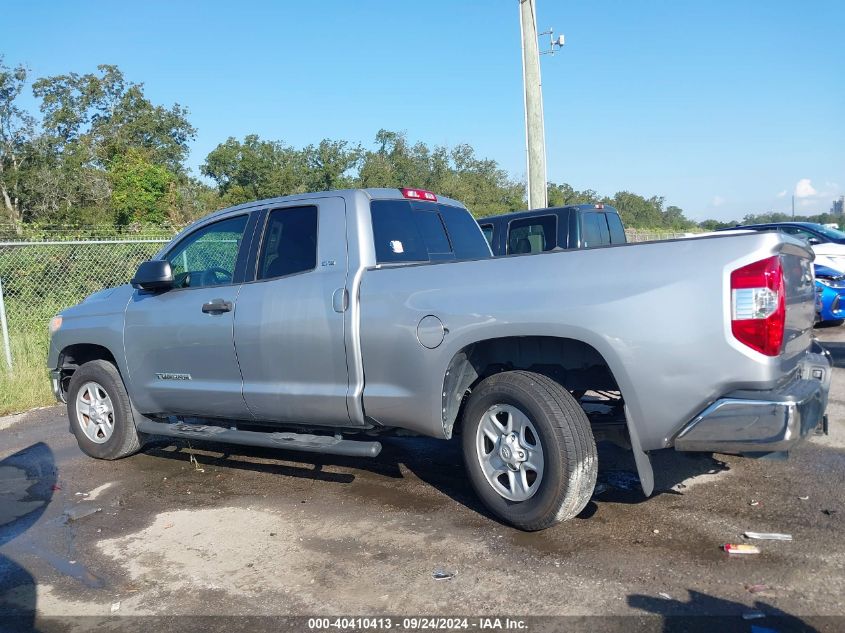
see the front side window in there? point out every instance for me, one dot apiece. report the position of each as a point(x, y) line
point(208, 256)
point(532, 235)
point(290, 243)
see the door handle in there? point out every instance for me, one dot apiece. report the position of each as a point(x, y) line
point(217, 306)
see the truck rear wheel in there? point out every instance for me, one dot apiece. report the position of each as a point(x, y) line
point(99, 412)
point(528, 449)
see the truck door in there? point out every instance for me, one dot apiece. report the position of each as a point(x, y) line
point(179, 344)
point(289, 324)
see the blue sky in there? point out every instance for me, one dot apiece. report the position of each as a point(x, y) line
point(723, 107)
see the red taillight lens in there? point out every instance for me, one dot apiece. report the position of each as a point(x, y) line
point(419, 194)
point(758, 305)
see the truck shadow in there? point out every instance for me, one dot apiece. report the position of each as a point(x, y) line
point(27, 485)
point(703, 613)
point(437, 463)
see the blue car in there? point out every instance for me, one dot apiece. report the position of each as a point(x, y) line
point(830, 295)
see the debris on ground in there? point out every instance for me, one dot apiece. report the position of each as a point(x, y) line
point(80, 512)
point(196, 464)
point(768, 536)
point(656, 531)
point(804, 497)
point(442, 574)
point(753, 615)
point(829, 513)
point(754, 502)
point(758, 588)
point(740, 548)
point(664, 595)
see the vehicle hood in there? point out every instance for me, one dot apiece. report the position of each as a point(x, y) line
point(104, 301)
point(830, 249)
point(826, 272)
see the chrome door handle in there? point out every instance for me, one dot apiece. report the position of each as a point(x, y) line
point(217, 306)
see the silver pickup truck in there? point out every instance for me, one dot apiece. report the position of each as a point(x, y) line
point(317, 322)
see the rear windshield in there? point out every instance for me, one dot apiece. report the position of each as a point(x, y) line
point(406, 231)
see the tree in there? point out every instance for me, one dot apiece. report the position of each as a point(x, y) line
point(564, 194)
point(17, 127)
point(329, 164)
point(100, 131)
point(139, 189)
point(255, 169)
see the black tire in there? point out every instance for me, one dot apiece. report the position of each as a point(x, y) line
point(569, 450)
point(124, 440)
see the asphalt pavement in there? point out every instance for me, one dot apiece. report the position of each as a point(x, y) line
point(208, 535)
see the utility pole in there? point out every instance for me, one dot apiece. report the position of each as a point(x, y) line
point(535, 139)
point(535, 133)
point(793, 207)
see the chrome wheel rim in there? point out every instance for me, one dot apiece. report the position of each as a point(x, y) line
point(509, 452)
point(95, 412)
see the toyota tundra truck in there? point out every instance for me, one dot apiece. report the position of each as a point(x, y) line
point(319, 322)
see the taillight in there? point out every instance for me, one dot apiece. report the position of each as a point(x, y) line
point(758, 305)
point(419, 194)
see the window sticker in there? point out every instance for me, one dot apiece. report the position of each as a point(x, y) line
point(396, 246)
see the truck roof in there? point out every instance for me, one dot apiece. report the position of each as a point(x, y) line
point(535, 212)
point(373, 193)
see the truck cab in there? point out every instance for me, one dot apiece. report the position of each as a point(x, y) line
point(562, 228)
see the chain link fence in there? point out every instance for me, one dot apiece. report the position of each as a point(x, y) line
point(651, 235)
point(40, 278)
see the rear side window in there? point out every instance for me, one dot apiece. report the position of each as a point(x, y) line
point(617, 231)
point(419, 232)
point(430, 225)
point(594, 230)
point(466, 239)
point(532, 235)
point(290, 242)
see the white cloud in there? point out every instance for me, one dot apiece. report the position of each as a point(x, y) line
point(782, 194)
point(717, 201)
point(804, 189)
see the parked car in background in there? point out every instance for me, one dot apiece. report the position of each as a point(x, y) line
point(830, 295)
point(828, 244)
point(539, 230)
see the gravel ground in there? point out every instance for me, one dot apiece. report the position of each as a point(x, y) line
point(195, 532)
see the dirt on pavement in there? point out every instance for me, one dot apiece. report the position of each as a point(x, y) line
point(198, 530)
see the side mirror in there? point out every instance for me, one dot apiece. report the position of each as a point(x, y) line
point(153, 275)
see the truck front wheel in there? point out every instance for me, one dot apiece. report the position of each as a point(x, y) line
point(528, 449)
point(99, 412)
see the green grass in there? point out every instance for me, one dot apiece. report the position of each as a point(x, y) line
point(28, 384)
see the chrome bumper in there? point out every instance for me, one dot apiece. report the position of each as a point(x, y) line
point(56, 384)
point(763, 421)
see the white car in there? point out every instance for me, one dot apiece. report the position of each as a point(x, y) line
point(828, 244)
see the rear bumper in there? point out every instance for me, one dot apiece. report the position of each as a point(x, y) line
point(763, 421)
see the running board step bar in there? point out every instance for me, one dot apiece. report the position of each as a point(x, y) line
point(326, 444)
